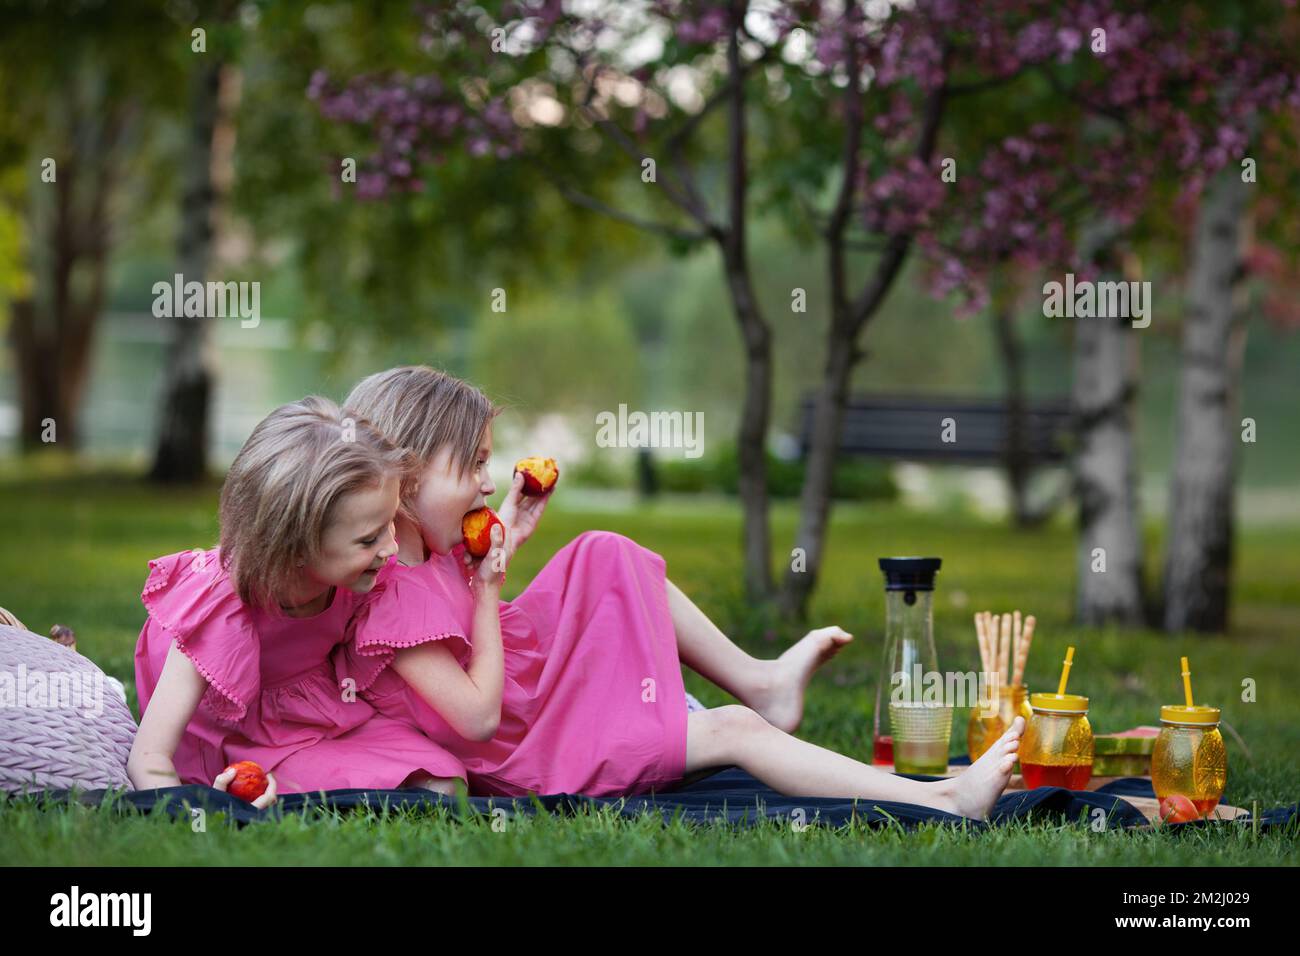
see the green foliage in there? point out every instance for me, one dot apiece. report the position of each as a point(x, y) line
point(854, 479)
point(599, 471)
point(520, 355)
point(75, 89)
point(412, 264)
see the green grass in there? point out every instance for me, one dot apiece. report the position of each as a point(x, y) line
point(82, 836)
point(75, 552)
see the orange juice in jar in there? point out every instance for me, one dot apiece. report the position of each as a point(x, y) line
point(1056, 749)
point(1189, 763)
point(982, 732)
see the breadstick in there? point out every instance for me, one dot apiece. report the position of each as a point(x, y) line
point(1015, 633)
point(991, 641)
point(1004, 649)
point(979, 636)
point(988, 643)
point(1022, 652)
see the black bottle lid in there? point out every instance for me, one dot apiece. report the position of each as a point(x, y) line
point(910, 574)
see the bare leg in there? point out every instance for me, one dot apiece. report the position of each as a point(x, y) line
point(709, 652)
point(738, 735)
point(773, 688)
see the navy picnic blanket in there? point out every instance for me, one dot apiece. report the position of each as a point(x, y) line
point(730, 795)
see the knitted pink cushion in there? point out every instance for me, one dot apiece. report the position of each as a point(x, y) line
point(63, 722)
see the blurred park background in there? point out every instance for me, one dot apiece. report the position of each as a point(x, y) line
point(762, 212)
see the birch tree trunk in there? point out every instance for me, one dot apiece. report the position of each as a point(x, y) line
point(1109, 547)
point(185, 410)
point(1198, 556)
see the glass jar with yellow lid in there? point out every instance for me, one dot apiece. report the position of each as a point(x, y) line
point(1189, 765)
point(1189, 761)
point(1056, 749)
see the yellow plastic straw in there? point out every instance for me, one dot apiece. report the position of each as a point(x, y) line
point(1065, 671)
point(1187, 682)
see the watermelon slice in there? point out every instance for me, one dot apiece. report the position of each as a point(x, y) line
point(1121, 765)
point(1138, 740)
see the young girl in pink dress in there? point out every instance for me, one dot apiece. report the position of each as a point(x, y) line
point(234, 660)
point(575, 686)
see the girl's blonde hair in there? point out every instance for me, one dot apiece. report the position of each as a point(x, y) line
point(282, 489)
point(423, 409)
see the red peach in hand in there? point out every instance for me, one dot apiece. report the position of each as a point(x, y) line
point(250, 780)
point(476, 529)
point(540, 474)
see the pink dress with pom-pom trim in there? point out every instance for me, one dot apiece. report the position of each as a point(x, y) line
point(593, 701)
point(274, 695)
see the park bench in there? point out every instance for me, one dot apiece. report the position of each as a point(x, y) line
point(912, 428)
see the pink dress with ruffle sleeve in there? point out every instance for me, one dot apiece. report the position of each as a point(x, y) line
point(274, 694)
point(593, 700)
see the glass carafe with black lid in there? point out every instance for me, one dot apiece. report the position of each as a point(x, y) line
point(908, 731)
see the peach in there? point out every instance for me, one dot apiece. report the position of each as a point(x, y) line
point(250, 780)
point(476, 529)
point(1177, 808)
point(540, 474)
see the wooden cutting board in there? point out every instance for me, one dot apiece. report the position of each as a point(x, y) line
point(1149, 806)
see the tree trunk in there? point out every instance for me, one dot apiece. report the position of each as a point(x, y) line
point(815, 497)
point(184, 415)
point(647, 478)
point(848, 319)
point(751, 440)
point(1198, 557)
point(842, 354)
point(52, 355)
point(52, 332)
point(1016, 453)
point(732, 243)
point(756, 413)
point(1109, 548)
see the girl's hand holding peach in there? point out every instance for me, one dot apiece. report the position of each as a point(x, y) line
point(522, 508)
point(223, 781)
point(490, 572)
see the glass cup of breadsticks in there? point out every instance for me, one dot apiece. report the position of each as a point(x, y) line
point(1004, 648)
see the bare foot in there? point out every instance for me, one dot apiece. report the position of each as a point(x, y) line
point(444, 785)
point(779, 697)
point(974, 791)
